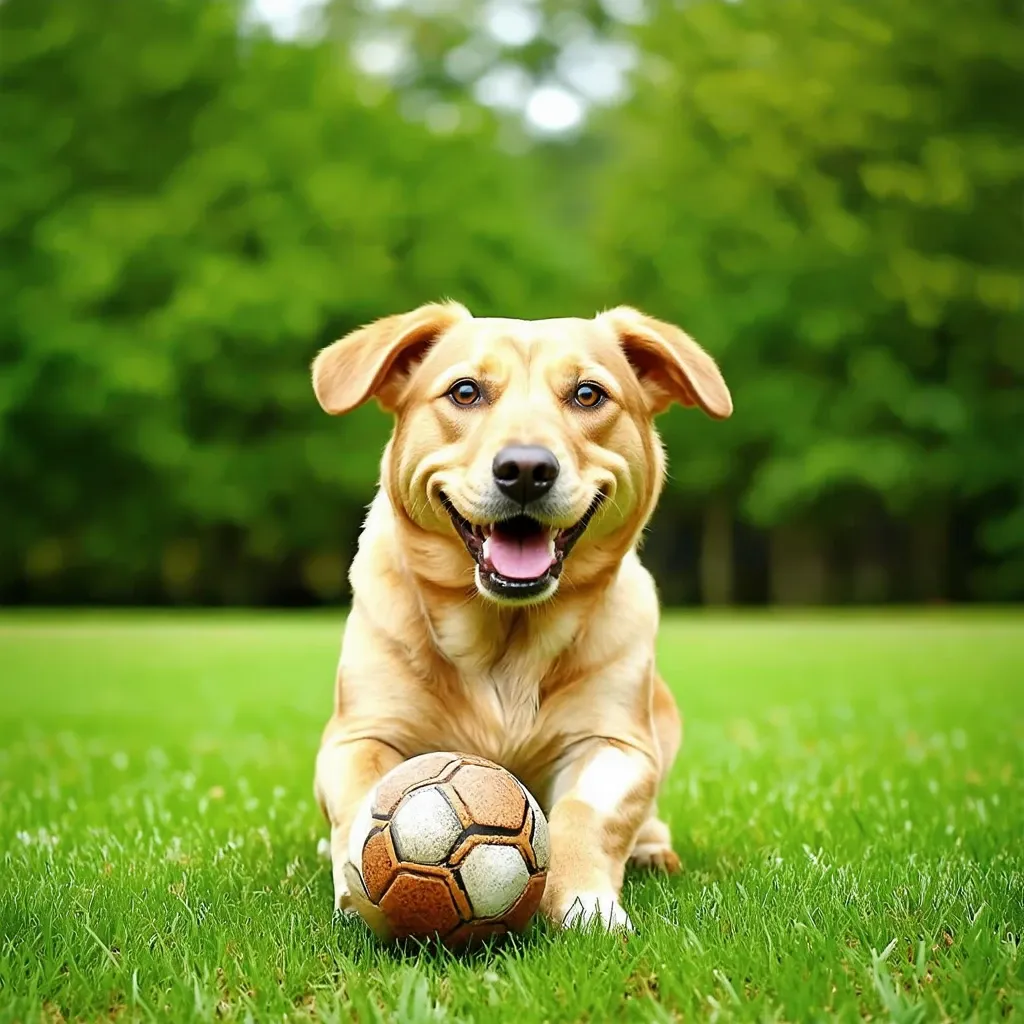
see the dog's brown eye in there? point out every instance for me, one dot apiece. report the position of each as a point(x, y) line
point(589, 396)
point(465, 392)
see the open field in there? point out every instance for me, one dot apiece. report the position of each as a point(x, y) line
point(849, 806)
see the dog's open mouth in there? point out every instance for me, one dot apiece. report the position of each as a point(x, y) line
point(521, 556)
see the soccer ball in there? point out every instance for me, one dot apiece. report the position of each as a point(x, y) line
point(448, 846)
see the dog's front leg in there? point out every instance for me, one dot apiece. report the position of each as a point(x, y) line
point(600, 800)
point(345, 773)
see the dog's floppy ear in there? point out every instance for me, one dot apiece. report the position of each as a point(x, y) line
point(373, 361)
point(671, 366)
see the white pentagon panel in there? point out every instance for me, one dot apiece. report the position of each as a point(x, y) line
point(361, 825)
point(494, 878)
point(539, 841)
point(425, 827)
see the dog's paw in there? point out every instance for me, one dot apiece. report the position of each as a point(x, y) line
point(655, 856)
point(342, 898)
point(323, 849)
point(604, 908)
point(344, 905)
point(344, 874)
point(344, 908)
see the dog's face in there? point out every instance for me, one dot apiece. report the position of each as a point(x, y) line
point(529, 444)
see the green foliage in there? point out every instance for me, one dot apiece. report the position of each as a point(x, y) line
point(829, 197)
point(188, 214)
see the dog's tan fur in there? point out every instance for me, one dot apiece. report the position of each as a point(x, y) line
point(564, 693)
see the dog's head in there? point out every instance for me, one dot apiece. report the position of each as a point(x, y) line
point(520, 443)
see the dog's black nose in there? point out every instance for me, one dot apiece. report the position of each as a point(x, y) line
point(525, 471)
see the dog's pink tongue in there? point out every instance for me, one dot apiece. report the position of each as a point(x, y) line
point(520, 558)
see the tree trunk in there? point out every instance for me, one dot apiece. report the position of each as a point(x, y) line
point(716, 561)
point(929, 558)
point(799, 569)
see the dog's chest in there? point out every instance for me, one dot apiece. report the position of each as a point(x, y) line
point(500, 712)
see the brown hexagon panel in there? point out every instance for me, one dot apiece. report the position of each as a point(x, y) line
point(470, 934)
point(445, 873)
point(476, 759)
point(419, 905)
point(526, 906)
point(398, 781)
point(492, 797)
point(459, 760)
point(368, 911)
point(379, 863)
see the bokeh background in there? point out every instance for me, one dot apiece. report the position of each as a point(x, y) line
point(196, 195)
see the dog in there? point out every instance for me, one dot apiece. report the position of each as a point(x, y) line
point(499, 605)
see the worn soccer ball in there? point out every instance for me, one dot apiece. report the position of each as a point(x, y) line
point(447, 846)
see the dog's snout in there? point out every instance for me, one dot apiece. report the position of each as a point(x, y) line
point(525, 471)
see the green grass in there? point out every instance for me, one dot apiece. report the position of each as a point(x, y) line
point(849, 807)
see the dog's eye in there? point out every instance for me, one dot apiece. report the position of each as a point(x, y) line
point(589, 396)
point(465, 392)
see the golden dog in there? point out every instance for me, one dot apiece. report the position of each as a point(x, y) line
point(499, 606)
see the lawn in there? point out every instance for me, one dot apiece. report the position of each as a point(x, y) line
point(849, 808)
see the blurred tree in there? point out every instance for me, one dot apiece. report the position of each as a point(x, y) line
point(539, 65)
point(830, 197)
point(187, 212)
